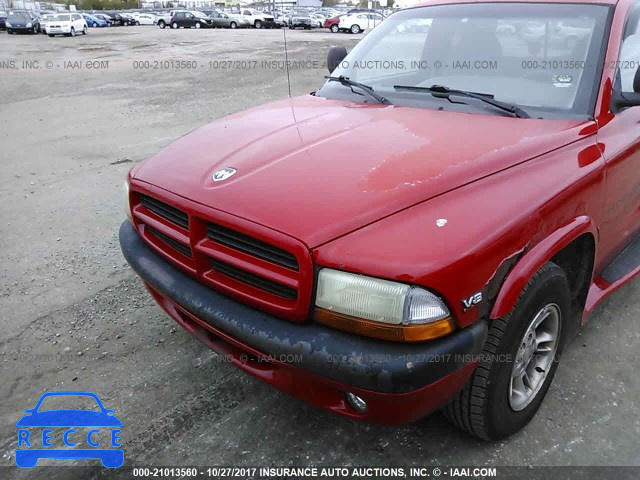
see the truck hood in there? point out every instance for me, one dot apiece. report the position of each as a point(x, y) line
point(317, 169)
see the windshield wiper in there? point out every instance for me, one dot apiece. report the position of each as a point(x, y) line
point(444, 92)
point(346, 81)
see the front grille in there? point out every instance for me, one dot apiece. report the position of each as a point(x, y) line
point(165, 211)
point(251, 246)
point(183, 249)
point(257, 266)
point(254, 280)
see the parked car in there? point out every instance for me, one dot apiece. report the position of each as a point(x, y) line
point(222, 20)
point(280, 20)
point(67, 24)
point(301, 19)
point(146, 19)
point(486, 214)
point(22, 22)
point(164, 19)
point(333, 23)
point(190, 20)
point(94, 21)
point(359, 22)
point(256, 18)
point(129, 19)
point(567, 33)
point(318, 19)
point(44, 21)
point(120, 20)
point(3, 19)
point(104, 17)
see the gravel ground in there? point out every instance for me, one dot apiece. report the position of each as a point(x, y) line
point(75, 317)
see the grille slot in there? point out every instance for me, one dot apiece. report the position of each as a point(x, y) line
point(165, 211)
point(183, 249)
point(257, 248)
point(254, 280)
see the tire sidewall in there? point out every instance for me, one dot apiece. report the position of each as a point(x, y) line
point(551, 287)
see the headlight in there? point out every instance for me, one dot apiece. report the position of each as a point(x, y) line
point(29, 25)
point(380, 308)
point(7, 24)
point(127, 201)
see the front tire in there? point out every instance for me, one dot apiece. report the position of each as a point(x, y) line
point(72, 33)
point(519, 360)
point(174, 25)
point(161, 24)
point(84, 30)
point(51, 35)
point(233, 25)
point(334, 29)
point(355, 29)
point(258, 24)
point(198, 25)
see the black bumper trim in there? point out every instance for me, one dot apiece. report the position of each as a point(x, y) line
point(342, 357)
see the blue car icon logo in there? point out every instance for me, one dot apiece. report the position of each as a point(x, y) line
point(67, 433)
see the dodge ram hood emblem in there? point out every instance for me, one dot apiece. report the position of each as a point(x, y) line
point(223, 174)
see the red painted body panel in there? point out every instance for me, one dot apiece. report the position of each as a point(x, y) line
point(433, 198)
point(316, 169)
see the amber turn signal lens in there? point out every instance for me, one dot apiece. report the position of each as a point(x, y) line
point(394, 333)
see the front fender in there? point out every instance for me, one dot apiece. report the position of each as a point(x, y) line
point(534, 259)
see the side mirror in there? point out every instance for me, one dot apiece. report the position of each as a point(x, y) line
point(335, 55)
point(621, 100)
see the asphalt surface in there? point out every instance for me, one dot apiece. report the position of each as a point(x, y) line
point(75, 317)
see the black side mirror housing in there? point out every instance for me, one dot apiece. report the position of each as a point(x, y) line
point(335, 55)
point(621, 100)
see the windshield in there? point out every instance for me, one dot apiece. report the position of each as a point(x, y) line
point(199, 15)
point(62, 18)
point(541, 57)
point(65, 402)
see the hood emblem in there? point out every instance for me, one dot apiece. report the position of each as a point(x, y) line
point(223, 174)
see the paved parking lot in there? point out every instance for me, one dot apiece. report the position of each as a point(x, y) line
point(75, 317)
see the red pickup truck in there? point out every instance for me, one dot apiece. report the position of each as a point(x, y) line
point(427, 230)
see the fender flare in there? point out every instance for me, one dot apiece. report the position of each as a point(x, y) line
point(534, 259)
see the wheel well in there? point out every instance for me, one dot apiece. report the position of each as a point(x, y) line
point(576, 259)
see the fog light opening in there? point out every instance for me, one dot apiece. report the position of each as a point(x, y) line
point(357, 403)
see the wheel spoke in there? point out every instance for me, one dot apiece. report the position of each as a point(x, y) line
point(544, 337)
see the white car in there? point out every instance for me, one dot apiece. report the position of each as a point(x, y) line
point(146, 19)
point(318, 18)
point(44, 21)
point(67, 24)
point(358, 22)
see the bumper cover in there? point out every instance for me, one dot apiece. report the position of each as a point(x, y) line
point(308, 353)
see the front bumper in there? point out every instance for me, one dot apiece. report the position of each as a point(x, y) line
point(399, 382)
point(58, 30)
point(21, 28)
